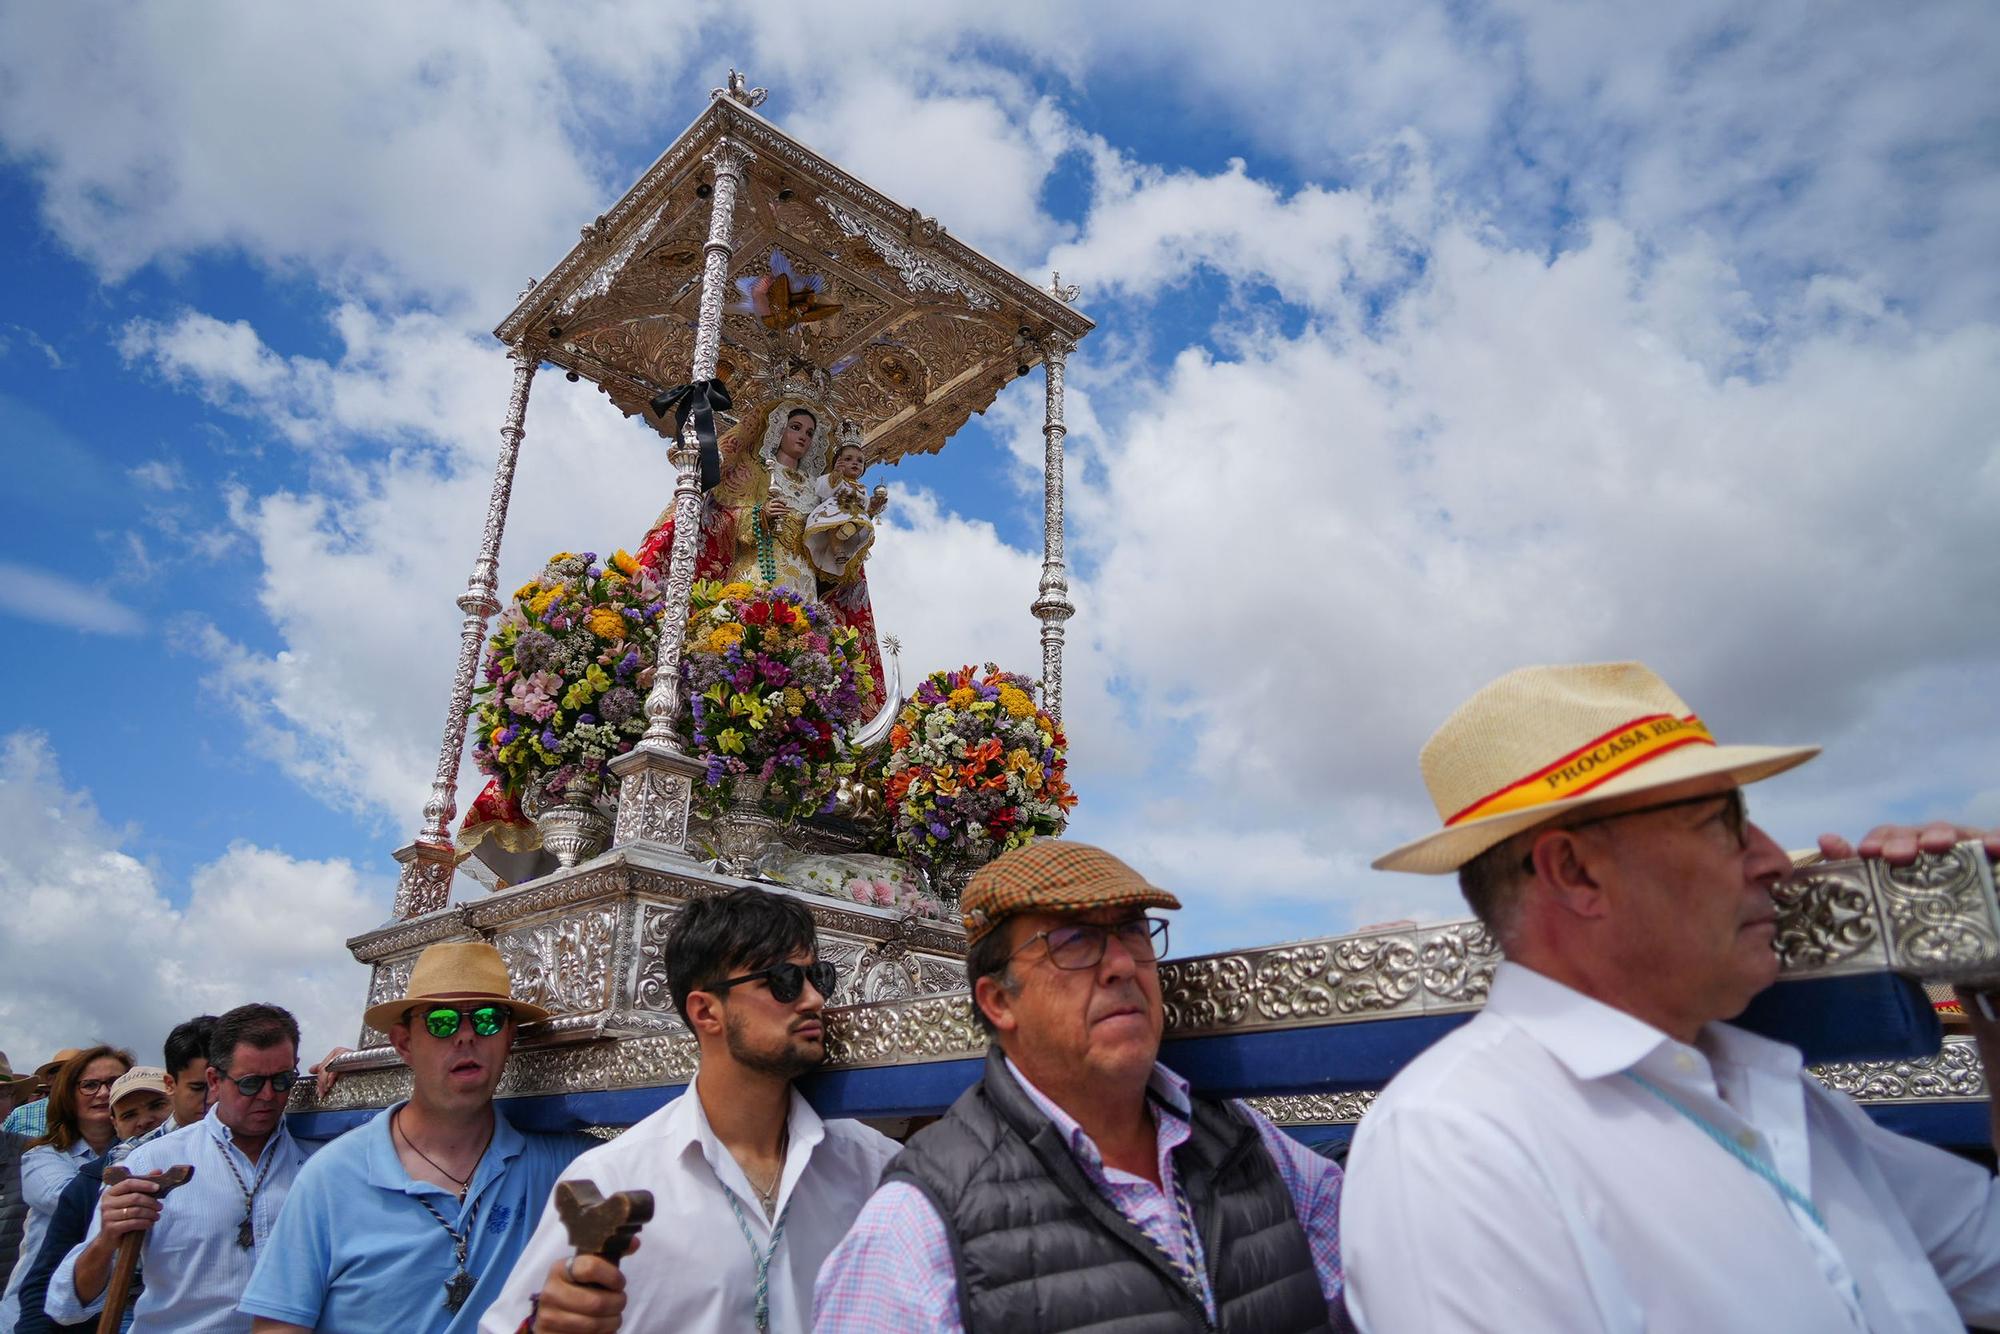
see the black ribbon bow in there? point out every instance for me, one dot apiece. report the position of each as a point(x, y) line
point(701, 400)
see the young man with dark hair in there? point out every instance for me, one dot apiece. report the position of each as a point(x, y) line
point(754, 1189)
point(199, 1245)
point(187, 1070)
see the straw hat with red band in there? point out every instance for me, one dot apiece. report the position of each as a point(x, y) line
point(465, 974)
point(1544, 741)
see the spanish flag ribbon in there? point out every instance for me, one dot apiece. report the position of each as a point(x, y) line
point(1595, 762)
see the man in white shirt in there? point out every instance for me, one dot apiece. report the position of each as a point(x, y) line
point(751, 1188)
point(1596, 1151)
point(200, 1242)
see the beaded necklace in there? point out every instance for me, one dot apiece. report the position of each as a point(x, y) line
point(246, 1236)
point(459, 1286)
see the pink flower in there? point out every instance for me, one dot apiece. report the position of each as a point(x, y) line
point(885, 893)
point(860, 890)
point(531, 695)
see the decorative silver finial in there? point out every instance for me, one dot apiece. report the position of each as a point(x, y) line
point(737, 93)
point(1065, 294)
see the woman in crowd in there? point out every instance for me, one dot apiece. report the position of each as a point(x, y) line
point(79, 1129)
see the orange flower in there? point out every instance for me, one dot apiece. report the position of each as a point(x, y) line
point(899, 736)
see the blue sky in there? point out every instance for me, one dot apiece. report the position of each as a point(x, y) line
point(1433, 341)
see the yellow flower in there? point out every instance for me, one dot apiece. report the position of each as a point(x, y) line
point(540, 602)
point(729, 741)
point(737, 589)
point(625, 561)
point(795, 699)
point(723, 637)
point(1015, 700)
point(962, 697)
point(527, 589)
point(606, 623)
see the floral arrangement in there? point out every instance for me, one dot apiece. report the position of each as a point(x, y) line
point(975, 768)
point(773, 685)
point(560, 694)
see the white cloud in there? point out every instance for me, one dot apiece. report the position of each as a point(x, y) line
point(159, 475)
point(1593, 341)
point(38, 595)
point(94, 947)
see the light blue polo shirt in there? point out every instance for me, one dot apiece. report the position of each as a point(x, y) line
point(354, 1251)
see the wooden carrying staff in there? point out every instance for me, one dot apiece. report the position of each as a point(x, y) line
point(598, 1225)
point(119, 1290)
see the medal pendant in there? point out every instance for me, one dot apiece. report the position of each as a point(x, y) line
point(244, 1236)
point(456, 1289)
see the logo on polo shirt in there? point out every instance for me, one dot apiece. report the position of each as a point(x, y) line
point(496, 1222)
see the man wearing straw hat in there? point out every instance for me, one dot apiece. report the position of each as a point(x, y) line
point(1080, 1184)
point(413, 1220)
point(1597, 1150)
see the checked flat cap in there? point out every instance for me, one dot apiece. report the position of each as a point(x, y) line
point(1054, 875)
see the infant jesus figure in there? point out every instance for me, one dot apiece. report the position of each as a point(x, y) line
point(841, 527)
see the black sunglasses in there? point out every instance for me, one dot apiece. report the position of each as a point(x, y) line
point(251, 1085)
point(487, 1020)
point(787, 980)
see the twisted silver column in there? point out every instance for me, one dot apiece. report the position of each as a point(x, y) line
point(1052, 606)
point(656, 780)
point(425, 883)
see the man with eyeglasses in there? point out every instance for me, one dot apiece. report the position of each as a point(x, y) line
point(414, 1220)
point(200, 1245)
point(1597, 1150)
point(1080, 1183)
point(751, 1188)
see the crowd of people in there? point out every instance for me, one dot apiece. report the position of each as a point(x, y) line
point(1597, 1150)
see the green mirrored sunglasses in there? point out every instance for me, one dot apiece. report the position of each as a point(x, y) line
point(486, 1020)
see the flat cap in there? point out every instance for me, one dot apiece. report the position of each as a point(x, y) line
point(1053, 875)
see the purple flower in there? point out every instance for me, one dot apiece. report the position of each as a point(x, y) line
point(620, 704)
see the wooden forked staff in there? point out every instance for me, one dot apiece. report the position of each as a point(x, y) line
point(119, 1290)
point(602, 1225)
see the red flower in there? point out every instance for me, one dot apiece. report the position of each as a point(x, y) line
point(756, 613)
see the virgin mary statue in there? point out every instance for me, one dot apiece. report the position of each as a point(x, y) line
point(753, 522)
point(752, 531)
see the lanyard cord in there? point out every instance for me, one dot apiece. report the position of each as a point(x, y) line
point(245, 1236)
point(1786, 1190)
point(761, 1258)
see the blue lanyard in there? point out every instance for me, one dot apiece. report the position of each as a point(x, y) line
point(762, 1258)
point(1786, 1190)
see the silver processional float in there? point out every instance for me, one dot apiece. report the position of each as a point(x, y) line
point(744, 271)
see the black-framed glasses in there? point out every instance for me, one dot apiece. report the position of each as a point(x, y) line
point(251, 1085)
point(89, 1086)
point(787, 980)
point(1735, 818)
point(1080, 945)
point(486, 1020)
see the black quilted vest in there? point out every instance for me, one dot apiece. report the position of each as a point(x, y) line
point(1037, 1248)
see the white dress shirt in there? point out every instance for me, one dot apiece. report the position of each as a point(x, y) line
point(694, 1271)
point(1514, 1177)
point(195, 1271)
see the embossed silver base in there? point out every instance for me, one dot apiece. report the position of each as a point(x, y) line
point(588, 944)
